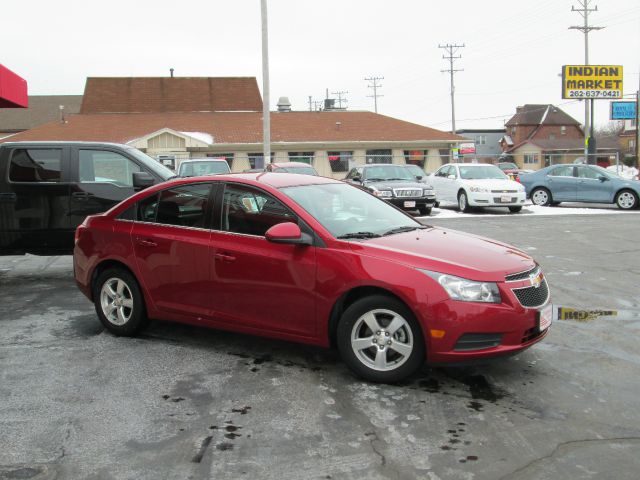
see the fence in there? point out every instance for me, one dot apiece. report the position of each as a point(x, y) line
point(337, 164)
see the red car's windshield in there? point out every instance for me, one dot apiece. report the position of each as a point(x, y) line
point(344, 209)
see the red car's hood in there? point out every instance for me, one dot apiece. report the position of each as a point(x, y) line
point(449, 251)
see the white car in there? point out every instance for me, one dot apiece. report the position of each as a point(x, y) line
point(477, 185)
point(203, 166)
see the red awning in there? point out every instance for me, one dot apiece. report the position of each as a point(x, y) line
point(13, 90)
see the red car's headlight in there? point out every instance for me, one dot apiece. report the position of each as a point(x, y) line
point(466, 290)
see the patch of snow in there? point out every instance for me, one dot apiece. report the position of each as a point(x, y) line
point(630, 173)
point(565, 208)
point(200, 136)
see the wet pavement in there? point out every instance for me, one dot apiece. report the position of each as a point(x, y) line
point(183, 402)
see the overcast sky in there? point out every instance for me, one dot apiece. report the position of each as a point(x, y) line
point(513, 50)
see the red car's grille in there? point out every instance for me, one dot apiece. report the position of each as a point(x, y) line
point(531, 297)
point(514, 277)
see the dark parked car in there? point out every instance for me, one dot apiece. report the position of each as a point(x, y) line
point(312, 260)
point(395, 184)
point(291, 167)
point(510, 169)
point(48, 188)
point(417, 172)
point(580, 183)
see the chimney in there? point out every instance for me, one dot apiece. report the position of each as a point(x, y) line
point(284, 105)
point(171, 71)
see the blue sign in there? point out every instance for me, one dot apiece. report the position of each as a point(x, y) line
point(623, 110)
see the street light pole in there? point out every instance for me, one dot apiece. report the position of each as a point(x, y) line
point(266, 114)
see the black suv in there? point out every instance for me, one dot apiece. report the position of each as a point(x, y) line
point(48, 188)
point(395, 184)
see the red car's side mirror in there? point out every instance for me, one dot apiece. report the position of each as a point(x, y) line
point(288, 232)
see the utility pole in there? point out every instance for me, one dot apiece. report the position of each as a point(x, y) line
point(310, 103)
point(375, 87)
point(340, 99)
point(584, 10)
point(451, 50)
point(638, 125)
point(266, 114)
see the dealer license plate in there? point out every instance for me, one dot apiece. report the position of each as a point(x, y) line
point(546, 317)
point(409, 204)
point(505, 199)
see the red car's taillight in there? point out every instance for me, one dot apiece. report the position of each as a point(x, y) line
point(76, 236)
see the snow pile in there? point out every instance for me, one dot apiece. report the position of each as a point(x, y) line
point(203, 137)
point(566, 208)
point(630, 173)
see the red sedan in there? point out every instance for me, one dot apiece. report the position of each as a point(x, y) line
point(312, 260)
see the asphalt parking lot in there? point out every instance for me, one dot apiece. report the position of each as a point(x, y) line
point(182, 402)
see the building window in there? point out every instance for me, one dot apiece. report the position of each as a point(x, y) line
point(340, 161)
point(552, 136)
point(258, 158)
point(530, 158)
point(481, 139)
point(513, 130)
point(168, 161)
point(304, 157)
point(563, 130)
point(632, 145)
point(415, 157)
point(379, 156)
point(227, 156)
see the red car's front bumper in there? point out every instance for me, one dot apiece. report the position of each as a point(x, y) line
point(469, 331)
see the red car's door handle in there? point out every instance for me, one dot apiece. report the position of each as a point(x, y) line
point(224, 257)
point(146, 243)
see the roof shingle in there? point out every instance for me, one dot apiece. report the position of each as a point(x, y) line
point(42, 109)
point(170, 94)
point(239, 127)
point(534, 114)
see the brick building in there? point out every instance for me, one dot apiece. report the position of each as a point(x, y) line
point(538, 135)
point(173, 119)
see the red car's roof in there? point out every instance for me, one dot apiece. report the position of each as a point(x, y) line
point(275, 180)
point(279, 180)
point(290, 164)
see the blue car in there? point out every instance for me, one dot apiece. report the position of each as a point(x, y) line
point(580, 183)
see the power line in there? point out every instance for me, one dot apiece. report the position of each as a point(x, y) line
point(375, 87)
point(451, 50)
point(541, 109)
point(340, 99)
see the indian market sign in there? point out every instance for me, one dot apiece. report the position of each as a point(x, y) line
point(591, 81)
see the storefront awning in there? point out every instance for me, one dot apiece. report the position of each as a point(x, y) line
point(13, 90)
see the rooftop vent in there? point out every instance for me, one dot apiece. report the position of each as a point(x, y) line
point(284, 105)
